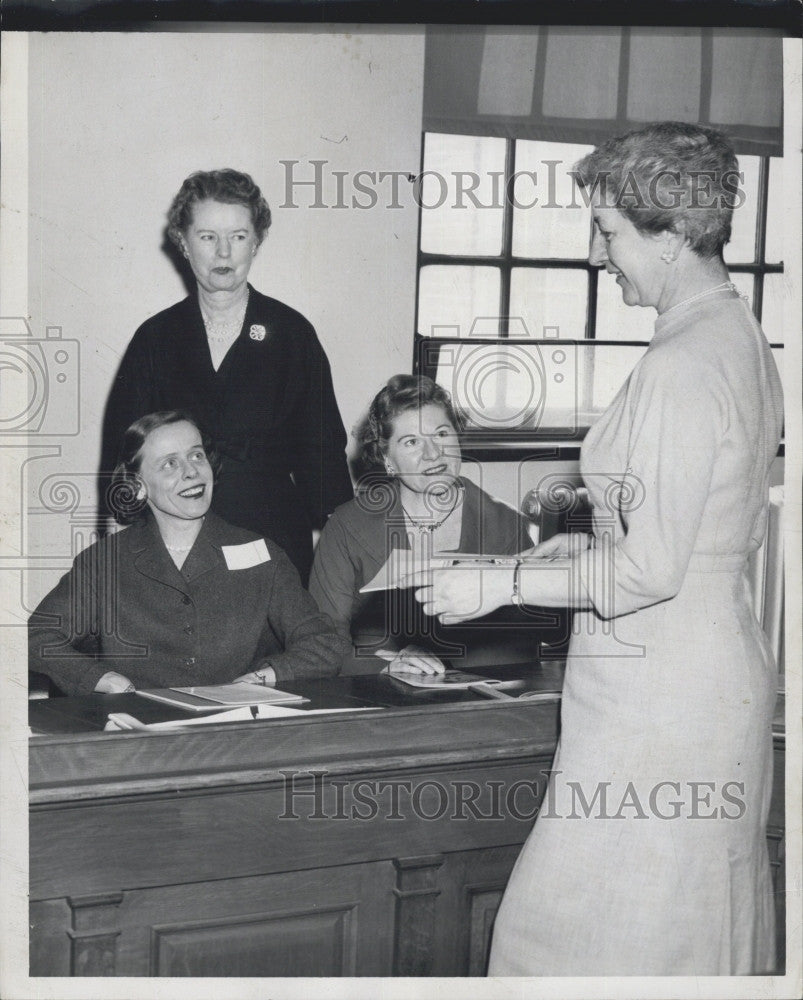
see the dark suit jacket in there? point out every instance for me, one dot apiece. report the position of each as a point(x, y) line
point(270, 408)
point(124, 606)
point(355, 545)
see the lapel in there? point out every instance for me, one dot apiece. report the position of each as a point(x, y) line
point(206, 554)
point(151, 559)
point(395, 516)
point(149, 556)
point(391, 520)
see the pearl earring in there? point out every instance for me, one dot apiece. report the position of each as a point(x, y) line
point(667, 257)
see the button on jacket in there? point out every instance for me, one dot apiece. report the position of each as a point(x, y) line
point(124, 606)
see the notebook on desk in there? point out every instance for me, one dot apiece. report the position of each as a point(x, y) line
point(455, 680)
point(213, 698)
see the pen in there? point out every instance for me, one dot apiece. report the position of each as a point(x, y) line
point(491, 692)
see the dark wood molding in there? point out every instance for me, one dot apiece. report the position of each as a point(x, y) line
point(94, 934)
point(415, 891)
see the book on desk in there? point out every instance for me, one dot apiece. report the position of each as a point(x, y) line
point(214, 698)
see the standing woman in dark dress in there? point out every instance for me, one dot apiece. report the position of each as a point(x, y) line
point(249, 368)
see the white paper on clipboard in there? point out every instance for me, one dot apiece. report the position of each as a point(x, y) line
point(401, 563)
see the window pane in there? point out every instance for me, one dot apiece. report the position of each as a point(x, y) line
point(559, 224)
point(555, 388)
point(451, 299)
point(776, 213)
point(512, 385)
point(615, 320)
point(462, 194)
point(742, 246)
point(549, 298)
point(777, 289)
point(605, 371)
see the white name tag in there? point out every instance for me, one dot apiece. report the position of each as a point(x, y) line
point(246, 555)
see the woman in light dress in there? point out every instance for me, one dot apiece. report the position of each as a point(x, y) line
point(649, 855)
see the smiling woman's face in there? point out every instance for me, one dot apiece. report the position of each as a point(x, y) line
point(634, 257)
point(424, 451)
point(220, 244)
point(176, 472)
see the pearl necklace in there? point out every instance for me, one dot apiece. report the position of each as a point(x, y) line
point(434, 525)
point(183, 548)
point(709, 291)
point(225, 331)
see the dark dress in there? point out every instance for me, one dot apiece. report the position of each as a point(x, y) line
point(270, 409)
point(124, 606)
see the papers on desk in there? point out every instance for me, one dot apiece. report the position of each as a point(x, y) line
point(121, 721)
point(401, 563)
point(215, 697)
point(451, 680)
point(458, 680)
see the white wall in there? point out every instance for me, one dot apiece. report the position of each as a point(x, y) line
point(116, 121)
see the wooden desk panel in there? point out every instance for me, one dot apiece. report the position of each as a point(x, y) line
point(186, 853)
point(178, 854)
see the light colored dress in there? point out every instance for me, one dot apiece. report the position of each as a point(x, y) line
point(649, 855)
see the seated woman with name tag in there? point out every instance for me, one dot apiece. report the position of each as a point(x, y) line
point(180, 597)
point(413, 507)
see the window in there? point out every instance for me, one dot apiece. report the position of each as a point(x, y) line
point(500, 285)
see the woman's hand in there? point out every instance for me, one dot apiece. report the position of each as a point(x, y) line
point(456, 594)
point(415, 660)
point(562, 546)
point(114, 683)
point(266, 676)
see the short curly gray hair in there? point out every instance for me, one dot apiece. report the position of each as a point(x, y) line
point(669, 176)
point(228, 186)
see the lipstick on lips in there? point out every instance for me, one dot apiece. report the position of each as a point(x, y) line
point(193, 492)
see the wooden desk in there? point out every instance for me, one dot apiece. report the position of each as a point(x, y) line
point(374, 843)
point(356, 844)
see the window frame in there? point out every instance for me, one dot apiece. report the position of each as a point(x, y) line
point(484, 444)
point(507, 260)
